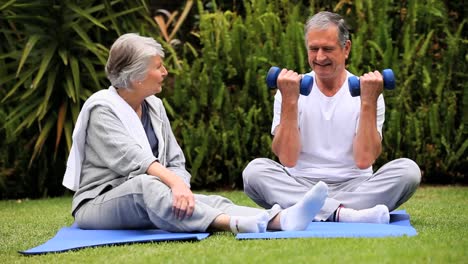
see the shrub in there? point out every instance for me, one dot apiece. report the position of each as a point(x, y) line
point(53, 53)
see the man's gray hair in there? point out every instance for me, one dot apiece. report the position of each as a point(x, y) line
point(323, 20)
point(129, 58)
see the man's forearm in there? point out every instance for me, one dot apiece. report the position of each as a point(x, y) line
point(367, 142)
point(287, 143)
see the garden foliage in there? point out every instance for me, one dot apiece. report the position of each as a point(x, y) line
point(53, 53)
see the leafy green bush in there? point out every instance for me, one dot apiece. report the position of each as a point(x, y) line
point(53, 53)
point(221, 107)
point(424, 115)
point(415, 38)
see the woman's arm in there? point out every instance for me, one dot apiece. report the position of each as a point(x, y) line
point(113, 146)
point(183, 201)
point(175, 158)
point(119, 152)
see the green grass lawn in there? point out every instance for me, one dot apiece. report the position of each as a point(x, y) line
point(439, 214)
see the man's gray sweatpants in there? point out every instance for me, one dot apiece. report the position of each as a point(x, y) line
point(145, 202)
point(267, 183)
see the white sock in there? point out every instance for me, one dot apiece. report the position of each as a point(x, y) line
point(378, 215)
point(299, 216)
point(249, 224)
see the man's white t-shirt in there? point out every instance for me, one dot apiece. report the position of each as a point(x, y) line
point(327, 128)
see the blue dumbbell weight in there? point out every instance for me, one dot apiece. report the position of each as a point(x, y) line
point(305, 86)
point(388, 78)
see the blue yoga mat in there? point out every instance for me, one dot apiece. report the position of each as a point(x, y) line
point(69, 238)
point(399, 226)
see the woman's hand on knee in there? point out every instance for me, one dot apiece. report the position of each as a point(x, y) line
point(183, 202)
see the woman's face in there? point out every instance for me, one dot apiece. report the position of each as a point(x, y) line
point(152, 83)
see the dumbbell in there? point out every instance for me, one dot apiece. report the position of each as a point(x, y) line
point(304, 88)
point(388, 78)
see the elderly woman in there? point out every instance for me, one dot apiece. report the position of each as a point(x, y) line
point(129, 172)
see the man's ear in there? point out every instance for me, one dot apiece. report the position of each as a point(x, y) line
point(347, 48)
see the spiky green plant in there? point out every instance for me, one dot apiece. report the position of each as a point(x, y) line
point(61, 62)
point(54, 61)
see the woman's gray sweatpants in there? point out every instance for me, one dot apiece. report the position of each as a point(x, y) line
point(145, 202)
point(267, 183)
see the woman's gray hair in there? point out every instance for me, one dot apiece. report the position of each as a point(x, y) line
point(323, 20)
point(129, 57)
